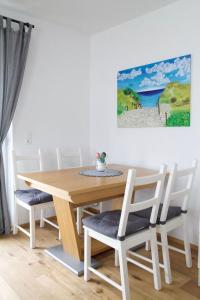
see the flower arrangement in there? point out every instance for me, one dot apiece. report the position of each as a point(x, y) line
point(101, 161)
point(101, 157)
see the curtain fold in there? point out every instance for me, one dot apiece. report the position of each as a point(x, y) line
point(14, 45)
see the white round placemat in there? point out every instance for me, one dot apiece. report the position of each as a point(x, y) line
point(106, 173)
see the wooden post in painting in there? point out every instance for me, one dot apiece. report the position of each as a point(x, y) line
point(166, 118)
point(158, 105)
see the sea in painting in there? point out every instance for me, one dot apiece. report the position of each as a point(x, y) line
point(155, 95)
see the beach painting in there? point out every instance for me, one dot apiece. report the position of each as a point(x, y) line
point(155, 95)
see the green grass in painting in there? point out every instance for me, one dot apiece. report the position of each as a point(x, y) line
point(127, 99)
point(177, 95)
point(178, 118)
point(185, 108)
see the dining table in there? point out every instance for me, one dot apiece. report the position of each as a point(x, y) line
point(70, 190)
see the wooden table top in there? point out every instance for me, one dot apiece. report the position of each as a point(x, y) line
point(68, 184)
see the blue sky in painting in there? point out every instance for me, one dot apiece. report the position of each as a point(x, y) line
point(156, 75)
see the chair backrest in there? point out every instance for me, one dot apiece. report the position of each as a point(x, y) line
point(153, 203)
point(183, 193)
point(69, 158)
point(24, 158)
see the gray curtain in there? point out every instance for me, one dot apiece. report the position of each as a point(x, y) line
point(14, 44)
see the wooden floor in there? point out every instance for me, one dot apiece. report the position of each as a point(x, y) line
point(27, 274)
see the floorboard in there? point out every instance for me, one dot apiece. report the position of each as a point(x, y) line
point(32, 274)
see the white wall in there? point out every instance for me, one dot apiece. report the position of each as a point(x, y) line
point(166, 33)
point(54, 100)
point(53, 105)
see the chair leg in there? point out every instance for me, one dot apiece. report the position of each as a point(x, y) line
point(124, 273)
point(155, 260)
point(101, 207)
point(199, 277)
point(116, 258)
point(166, 259)
point(199, 259)
point(79, 212)
point(87, 255)
point(147, 246)
point(188, 256)
point(42, 218)
point(32, 227)
point(15, 230)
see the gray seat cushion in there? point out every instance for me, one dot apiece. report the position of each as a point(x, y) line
point(173, 211)
point(107, 223)
point(33, 196)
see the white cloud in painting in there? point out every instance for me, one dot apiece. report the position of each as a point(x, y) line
point(146, 82)
point(155, 81)
point(160, 79)
point(181, 65)
point(162, 67)
point(134, 73)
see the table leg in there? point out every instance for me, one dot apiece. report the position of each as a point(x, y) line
point(68, 230)
point(70, 253)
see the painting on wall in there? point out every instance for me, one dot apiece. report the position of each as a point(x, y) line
point(155, 95)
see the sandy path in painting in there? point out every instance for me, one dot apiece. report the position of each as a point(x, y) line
point(144, 117)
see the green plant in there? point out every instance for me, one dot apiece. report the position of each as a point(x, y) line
point(127, 91)
point(120, 109)
point(173, 99)
point(132, 93)
point(127, 99)
point(101, 157)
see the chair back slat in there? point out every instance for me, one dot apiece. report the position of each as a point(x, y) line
point(154, 202)
point(67, 156)
point(142, 205)
point(24, 158)
point(179, 194)
point(147, 180)
point(185, 172)
point(184, 193)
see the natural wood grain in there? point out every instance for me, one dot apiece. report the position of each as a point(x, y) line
point(67, 226)
point(68, 184)
point(72, 243)
point(31, 274)
point(70, 189)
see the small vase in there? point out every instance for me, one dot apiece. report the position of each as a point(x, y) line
point(100, 166)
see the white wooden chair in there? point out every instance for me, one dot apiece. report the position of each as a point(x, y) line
point(199, 257)
point(166, 225)
point(171, 217)
point(30, 199)
point(123, 230)
point(74, 158)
